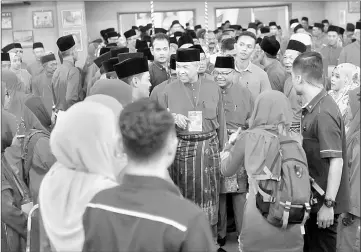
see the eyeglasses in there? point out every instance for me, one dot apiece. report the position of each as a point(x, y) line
point(216, 73)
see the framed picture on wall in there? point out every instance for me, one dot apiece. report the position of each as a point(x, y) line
point(43, 19)
point(354, 6)
point(162, 19)
point(72, 18)
point(77, 37)
point(6, 21)
point(25, 38)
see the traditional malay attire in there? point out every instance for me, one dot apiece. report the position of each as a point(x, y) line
point(66, 83)
point(41, 84)
point(196, 166)
point(276, 73)
point(238, 106)
point(131, 37)
point(36, 67)
point(320, 41)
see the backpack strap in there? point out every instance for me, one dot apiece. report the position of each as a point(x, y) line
point(269, 175)
point(28, 151)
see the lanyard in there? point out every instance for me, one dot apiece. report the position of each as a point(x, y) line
point(199, 90)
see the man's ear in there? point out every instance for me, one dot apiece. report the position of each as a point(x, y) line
point(152, 50)
point(135, 81)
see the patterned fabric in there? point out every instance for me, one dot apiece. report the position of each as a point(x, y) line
point(196, 171)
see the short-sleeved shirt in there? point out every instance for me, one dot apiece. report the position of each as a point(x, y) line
point(324, 138)
point(350, 54)
point(277, 75)
point(255, 79)
point(158, 74)
point(145, 214)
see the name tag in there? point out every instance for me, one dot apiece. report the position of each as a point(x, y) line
point(195, 118)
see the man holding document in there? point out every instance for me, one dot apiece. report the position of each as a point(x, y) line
point(196, 104)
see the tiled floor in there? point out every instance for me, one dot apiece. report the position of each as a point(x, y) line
point(232, 243)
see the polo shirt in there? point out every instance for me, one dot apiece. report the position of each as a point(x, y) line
point(158, 74)
point(350, 54)
point(255, 79)
point(146, 214)
point(277, 75)
point(324, 137)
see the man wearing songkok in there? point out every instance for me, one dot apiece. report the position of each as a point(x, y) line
point(36, 67)
point(351, 53)
point(197, 27)
point(326, 24)
point(41, 83)
point(103, 34)
point(158, 70)
point(264, 31)
point(252, 27)
point(294, 49)
point(304, 23)
point(113, 37)
point(158, 90)
point(66, 82)
point(299, 29)
point(319, 37)
point(147, 211)
point(196, 104)
point(109, 68)
point(93, 73)
point(131, 37)
point(141, 44)
point(331, 52)
point(16, 48)
point(276, 73)
point(348, 37)
point(252, 77)
point(135, 72)
point(273, 28)
point(293, 23)
point(185, 41)
point(5, 61)
point(238, 106)
point(203, 64)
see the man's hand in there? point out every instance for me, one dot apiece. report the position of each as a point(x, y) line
point(181, 121)
point(233, 137)
point(325, 217)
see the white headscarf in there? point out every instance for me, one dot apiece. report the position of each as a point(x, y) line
point(84, 144)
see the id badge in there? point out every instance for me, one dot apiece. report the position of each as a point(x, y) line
point(195, 118)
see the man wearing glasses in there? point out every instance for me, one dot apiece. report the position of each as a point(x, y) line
point(238, 106)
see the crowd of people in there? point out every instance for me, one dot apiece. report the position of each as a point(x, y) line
point(167, 140)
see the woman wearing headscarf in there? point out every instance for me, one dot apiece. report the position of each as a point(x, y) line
point(15, 200)
point(271, 117)
point(345, 77)
point(13, 97)
point(85, 143)
point(22, 74)
point(349, 232)
point(37, 155)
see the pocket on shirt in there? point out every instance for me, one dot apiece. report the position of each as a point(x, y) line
point(209, 110)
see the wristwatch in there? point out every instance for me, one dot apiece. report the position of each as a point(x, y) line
point(329, 203)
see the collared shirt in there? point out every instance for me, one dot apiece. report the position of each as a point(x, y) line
point(35, 68)
point(350, 54)
point(319, 42)
point(277, 75)
point(66, 86)
point(158, 74)
point(330, 55)
point(203, 95)
point(255, 79)
point(324, 137)
point(238, 106)
point(145, 214)
point(158, 90)
point(41, 86)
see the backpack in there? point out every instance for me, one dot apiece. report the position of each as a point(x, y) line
point(284, 189)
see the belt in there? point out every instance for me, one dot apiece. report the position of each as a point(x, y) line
point(197, 136)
